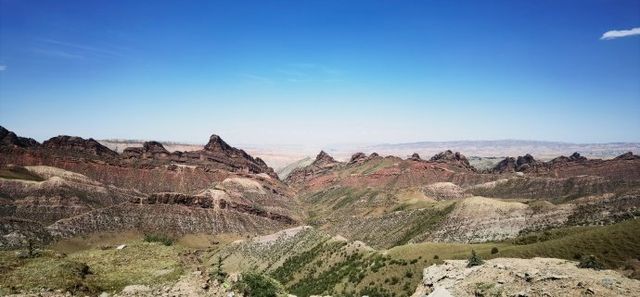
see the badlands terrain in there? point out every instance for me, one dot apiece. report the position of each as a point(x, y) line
point(127, 218)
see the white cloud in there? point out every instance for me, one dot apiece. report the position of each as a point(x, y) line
point(3, 67)
point(613, 34)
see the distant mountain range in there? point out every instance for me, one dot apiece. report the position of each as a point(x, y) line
point(284, 158)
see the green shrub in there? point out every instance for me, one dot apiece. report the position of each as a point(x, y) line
point(166, 240)
point(474, 260)
point(258, 285)
point(436, 257)
point(494, 250)
point(590, 262)
point(408, 274)
point(218, 273)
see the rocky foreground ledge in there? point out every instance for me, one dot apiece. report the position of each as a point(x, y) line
point(522, 278)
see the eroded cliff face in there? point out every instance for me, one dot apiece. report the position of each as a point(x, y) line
point(386, 201)
point(383, 201)
point(174, 219)
point(59, 194)
point(623, 167)
point(212, 211)
point(149, 169)
point(93, 189)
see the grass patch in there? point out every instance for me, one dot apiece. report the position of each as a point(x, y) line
point(17, 172)
point(161, 238)
point(613, 245)
point(90, 271)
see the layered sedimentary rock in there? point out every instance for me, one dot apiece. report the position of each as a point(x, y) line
point(150, 168)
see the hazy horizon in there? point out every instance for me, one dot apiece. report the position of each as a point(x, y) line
point(322, 73)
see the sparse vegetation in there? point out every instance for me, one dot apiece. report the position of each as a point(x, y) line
point(474, 260)
point(494, 250)
point(218, 273)
point(164, 239)
point(590, 262)
point(259, 285)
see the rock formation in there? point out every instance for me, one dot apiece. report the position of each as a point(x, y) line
point(8, 138)
point(324, 160)
point(453, 158)
point(74, 144)
point(522, 277)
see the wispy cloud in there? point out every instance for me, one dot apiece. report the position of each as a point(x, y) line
point(56, 53)
point(297, 73)
point(613, 34)
point(3, 67)
point(302, 72)
point(72, 50)
point(257, 78)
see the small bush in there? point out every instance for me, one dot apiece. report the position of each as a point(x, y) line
point(218, 272)
point(494, 250)
point(408, 274)
point(436, 257)
point(166, 240)
point(474, 260)
point(590, 262)
point(257, 285)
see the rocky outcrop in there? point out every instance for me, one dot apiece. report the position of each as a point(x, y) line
point(627, 156)
point(211, 200)
point(79, 145)
point(357, 157)
point(8, 138)
point(17, 233)
point(522, 277)
point(322, 164)
point(505, 166)
point(415, 157)
point(452, 158)
point(521, 164)
point(623, 168)
point(324, 160)
point(201, 201)
point(149, 150)
point(575, 157)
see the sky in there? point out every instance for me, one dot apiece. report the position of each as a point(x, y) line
point(322, 72)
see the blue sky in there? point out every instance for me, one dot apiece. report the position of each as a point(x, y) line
point(321, 72)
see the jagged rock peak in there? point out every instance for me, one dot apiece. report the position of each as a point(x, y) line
point(78, 144)
point(576, 157)
point(217, 144)
point(627, 156)
point(520, 164)
point(8, 138)
point(448, 155)
point(324, 159)
point(261, 162)
point(415, 157)
point(357, 157)
point(526, 162)
point(154, 147)
point(508, 164)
